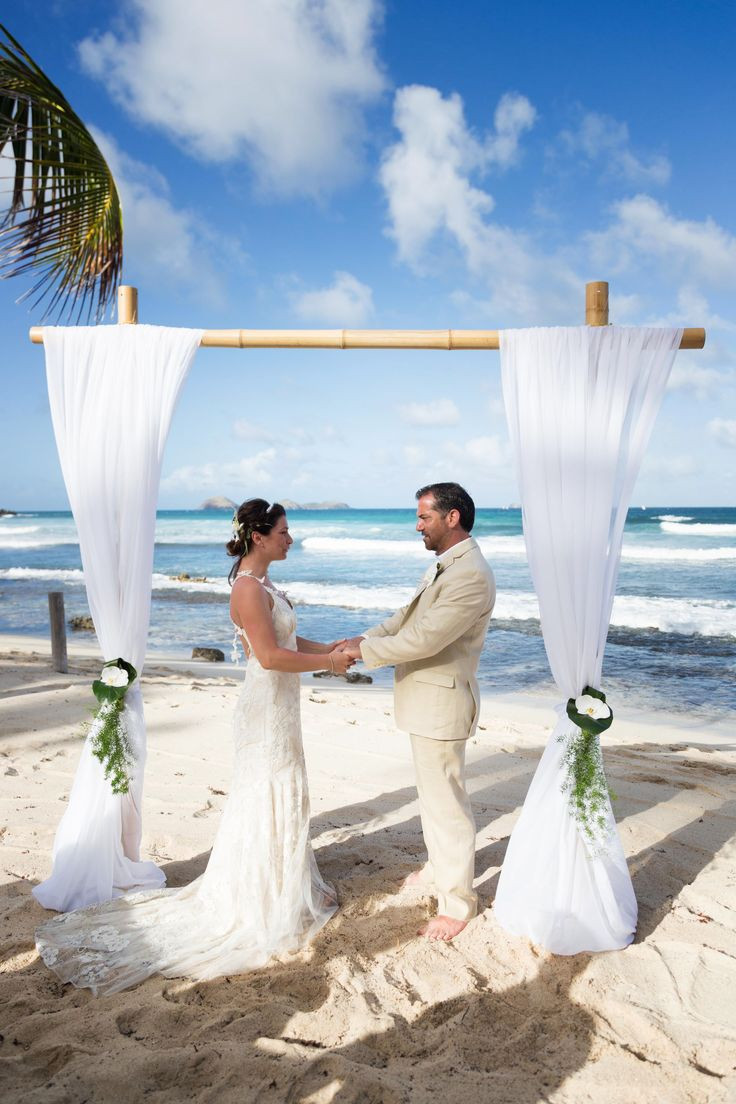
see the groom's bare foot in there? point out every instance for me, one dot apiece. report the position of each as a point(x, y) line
point(443, 928)
point(413, 879)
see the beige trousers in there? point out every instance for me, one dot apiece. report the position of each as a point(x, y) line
point(447, 824)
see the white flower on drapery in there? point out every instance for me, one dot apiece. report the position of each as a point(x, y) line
point(596, 709)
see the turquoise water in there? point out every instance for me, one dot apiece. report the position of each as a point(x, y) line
point(672, 641)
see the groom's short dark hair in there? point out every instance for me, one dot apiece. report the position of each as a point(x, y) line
point(451, 496)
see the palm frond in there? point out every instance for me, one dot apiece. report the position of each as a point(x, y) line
point(64, 222)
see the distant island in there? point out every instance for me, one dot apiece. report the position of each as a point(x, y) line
point(219, 502)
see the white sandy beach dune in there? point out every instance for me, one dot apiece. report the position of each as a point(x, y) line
point(371, 1014)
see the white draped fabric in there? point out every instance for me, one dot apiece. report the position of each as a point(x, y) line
point(112, 391)
point(580, 403)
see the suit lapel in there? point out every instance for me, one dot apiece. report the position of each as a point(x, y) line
point(427, 582)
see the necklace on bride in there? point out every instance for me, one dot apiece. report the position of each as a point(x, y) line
point(266, 582)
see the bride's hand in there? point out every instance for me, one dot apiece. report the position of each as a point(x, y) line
point(340, 662)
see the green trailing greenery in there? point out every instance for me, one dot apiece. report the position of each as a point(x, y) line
point(108, 731)
point(585, 779)
point(64, 222)
point(110, 745)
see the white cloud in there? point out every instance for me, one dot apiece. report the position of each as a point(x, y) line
point(669, 467)
point(162, 240)
point(644, 229)
point(514, 115)
point(414, 455)
point(281, 84)
point(425, 175)
point(426, 178)
point(724, 431)
point(231, 476)
point(346, 303)
point(485, 452)
point(701, 380)
point(600, 137)
point(436, 412)
point(250, 431)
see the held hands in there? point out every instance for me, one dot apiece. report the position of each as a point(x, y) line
point(351, 647)
point(340, 661)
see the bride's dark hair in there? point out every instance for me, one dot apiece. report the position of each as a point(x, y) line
point(253, 516)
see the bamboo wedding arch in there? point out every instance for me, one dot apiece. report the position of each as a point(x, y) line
point(585, 902)
point(596, 314)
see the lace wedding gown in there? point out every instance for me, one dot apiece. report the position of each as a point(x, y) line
point(261, 893)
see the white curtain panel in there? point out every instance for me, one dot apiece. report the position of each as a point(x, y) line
point(112, 391)
point(580, 403)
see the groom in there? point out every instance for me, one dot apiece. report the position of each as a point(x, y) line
point(435, 644)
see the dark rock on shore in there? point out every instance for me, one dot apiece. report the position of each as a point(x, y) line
point(350, 676)
point(212, 655)
point(8, 513)
point(82, 623)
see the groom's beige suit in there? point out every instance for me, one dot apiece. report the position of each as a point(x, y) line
point(434, 643)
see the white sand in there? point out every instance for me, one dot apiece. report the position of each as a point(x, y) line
point(371, 1014)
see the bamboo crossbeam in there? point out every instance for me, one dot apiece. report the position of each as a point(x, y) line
point(596, 314)
point(692, 338)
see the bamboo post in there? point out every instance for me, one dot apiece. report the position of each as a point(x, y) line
point(58, 631)
point(127, 305)
point(596, 303)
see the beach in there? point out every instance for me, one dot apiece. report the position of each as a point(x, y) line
point(370, 1012)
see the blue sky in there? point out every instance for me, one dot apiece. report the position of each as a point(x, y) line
point(286, 163)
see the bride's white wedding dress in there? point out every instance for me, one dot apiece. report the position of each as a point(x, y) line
point(261, 893)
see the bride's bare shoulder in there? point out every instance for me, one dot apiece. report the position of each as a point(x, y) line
point(249, 593)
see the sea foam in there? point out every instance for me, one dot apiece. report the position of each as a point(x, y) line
point(698, 529)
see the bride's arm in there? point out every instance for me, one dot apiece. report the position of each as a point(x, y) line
point(249, 608)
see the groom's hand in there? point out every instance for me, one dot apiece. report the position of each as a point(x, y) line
point(352, 645)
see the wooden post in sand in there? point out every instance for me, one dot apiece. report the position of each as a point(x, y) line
point(58, 631)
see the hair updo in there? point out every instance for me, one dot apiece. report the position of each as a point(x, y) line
point(253, 516)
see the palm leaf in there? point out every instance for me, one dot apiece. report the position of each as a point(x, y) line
point(64, 222)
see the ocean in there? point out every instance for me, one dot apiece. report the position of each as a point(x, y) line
point(672, 642)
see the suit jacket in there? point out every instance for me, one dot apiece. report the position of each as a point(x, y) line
point(435, 645)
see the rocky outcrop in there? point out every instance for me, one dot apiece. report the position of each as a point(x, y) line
point(349, 676)
point(219, 502)
point(212, 655)
point(81, 623)
point(8, 513)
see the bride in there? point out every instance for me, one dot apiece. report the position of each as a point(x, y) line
point(261, 893)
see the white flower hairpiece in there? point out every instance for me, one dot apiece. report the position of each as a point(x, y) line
point(239, 530)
